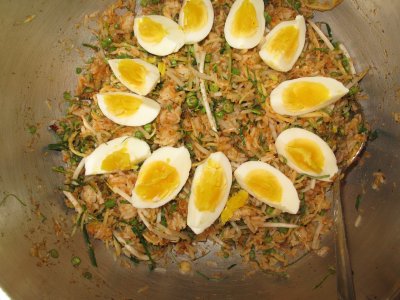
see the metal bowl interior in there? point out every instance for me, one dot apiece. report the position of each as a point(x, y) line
point(38, 60)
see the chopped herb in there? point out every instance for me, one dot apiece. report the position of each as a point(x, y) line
point(117, 26)
point(169, 107)
point(139, 134)
point(59, 169)
point(174, 63)
point(231, 266)
point(346, 64)
point(173, 206)
point(283, 230)
point(220, 114)
point(189, 146)
point(208, 58)
point(54, 253)
point(270, 210)
point(252, 253)
point(296, 5)
point(106, 43)
point(354, 90)
point(358, 202)
point(139, 233)
point(144, 3)
point(228, 106)
point(32, 129)
point(331, 271)
point(14, 196)
point(78, 70)
point(315, 177)
point(207, 277)
point(267, 17)
point(67, 96)
point(75, 261)
point(110, 203)
point(148, 128)
point(87, 275)
point(213, 87)
point(373, 135)
point(123, 55)
point(269, 251)
point(328, 29)
point(362, 128)
point(89, 246)
point(93, 47)
point(191, 100)
point(256, 111)
point(324, 50)
point(267, 239)
point(235, 71)
point(163, 219)
point(88, 90)
point(335, 74)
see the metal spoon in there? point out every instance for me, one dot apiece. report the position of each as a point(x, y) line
point(344, 275)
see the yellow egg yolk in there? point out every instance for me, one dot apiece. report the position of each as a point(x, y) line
point(303, 95)
point(264, 184)
point(284, 43)
point(210, 187)
point(194, 15)
point(245, 23)
point(157, 181)
point(151, 31)
point(306, 154)
point(122, 105)
point(133, 72)
point(235, 202)
point(118, 160)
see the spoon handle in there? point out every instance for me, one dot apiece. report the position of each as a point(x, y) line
point(344, 276)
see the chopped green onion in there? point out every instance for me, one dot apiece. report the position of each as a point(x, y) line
point(270, 210)
point(93, 47)
point(373, 135)
point(59, 169)
point(54, 253)
point(191, 100)
point(106, 43)
point(174, 63)
point(32, 129)
point(148, 128)
point(123, 55)
point(110, 203)
point(252, 253)
point(117, 26)
point(267, 17)
point(58, 147)
point(269, 251)
point(87, 275)
point(78, 70)
point(325, 50)
point(346, 64)
point(219, 114)
point(228, 106)
point(67, 96)
point(283, 230)
point(208, 58)
point(354, 90)
point(75, 261)
point(358, 202)
point(163, 219)
point(139, 134)
point(139, 233)
point(213, 87)
point(235, 71)
point(268, 239)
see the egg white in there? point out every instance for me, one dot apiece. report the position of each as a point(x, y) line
point(151, 79)
point(192, 37)
point(179, 158)
point(336, 89)
point(171, 43)
point(245, 42)
point(138, 151)
point(290, 200)
point(147, 112)
point(198, 220)
point(279, 63)
point(330, 166)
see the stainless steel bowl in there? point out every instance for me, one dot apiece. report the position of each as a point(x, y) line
point(38, 59)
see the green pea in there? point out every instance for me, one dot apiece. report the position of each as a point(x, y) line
point(75, 261)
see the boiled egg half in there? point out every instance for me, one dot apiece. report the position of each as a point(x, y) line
point(137, 75)
point(128, 109)
point(307, 153)
point(245, 24)
point(158, 35)
point(284, 44)
point(209, 192)
point(307, 94)
point(196, 18)
point(120, 154)
point(161, 177)
point(269, 185)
